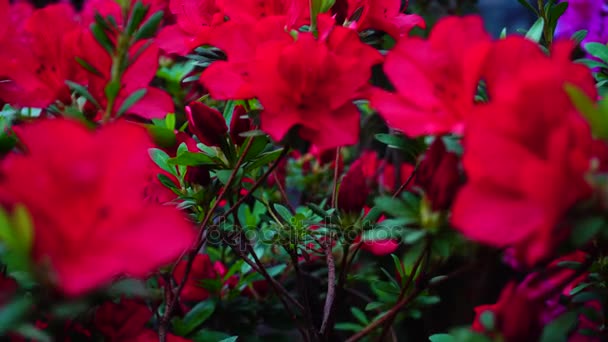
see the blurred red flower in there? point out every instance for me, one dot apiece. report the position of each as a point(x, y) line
point(85, 193)
point(434, 87)
point(526, 152)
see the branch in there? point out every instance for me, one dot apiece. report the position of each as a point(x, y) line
point(258, 183)
point(331, 287)
point(200, 241)
point(407, 182)
point(403, 301)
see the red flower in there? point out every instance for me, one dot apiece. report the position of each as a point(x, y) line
point(85, 193)
point(239, 124)
point(194, 19)
point(377, 247)
point(122, 321)
point(207, 123)
point(524, 309)
point(308, 84)
point(202, 269)
point(382, 15)
point(438, 175)
point(230, 79)
point(526, 155)
point(296, 12)
point(156, 103)
point(354, 189)
point(434, 88)
point(42, 59)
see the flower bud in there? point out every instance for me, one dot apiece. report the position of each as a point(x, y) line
point(438, 175)
point(353, 189)
point(206, 123)
point(198, 175)
point(239, 125)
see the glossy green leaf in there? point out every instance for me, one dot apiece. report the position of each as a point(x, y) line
point(131, 100)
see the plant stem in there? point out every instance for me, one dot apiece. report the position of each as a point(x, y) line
point(402, 302)
point(199, 243)
point(331, 286)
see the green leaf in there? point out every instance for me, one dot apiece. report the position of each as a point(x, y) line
point(166, 181)
point(527, 5)
point(131, 100)
point(584, 297)
point(162, 136)
point(536, 31)
point(224, 176)
point(411, 236)
point(322, 6)
point(138, 13)
point(374, 306)
point(191, 159)
point(161, 159)
point(488, 320)
point(573, 265)
point(12, 313)
point(558, 330)
point(31, 332)
point(205, 335)
point(82, 91)
point(102, 38)
point(585, 230)
point(23, 229)
point(441, 338)
point(88, 67)
point(598, 50)
point(149, 28)
point(112, 89)
point(598, 120)
point(276, 270)
point(359, 315)
point(348, 327)
point(264, 159)
point(503, 33)
point(195, 317)
point(555, 12)
point(283, 212)
point(170, 122)
point(392, 206)
point(579, 36)
point(230, 339)
point(413, 147)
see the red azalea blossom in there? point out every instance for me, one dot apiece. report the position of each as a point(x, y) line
point(524, 309)
point(97, 234)
point(378, 247)
point(230, 79)
point(296, 12)
point(194, 19)
point(353, 189)
point(526, 155)
point(239, 123)
point(306, 84)
point(202, 269)
point(42, 58)
point(381, 15)
point(122, 321)
point(156, 103)
point(438, 175)
point(434, 87)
